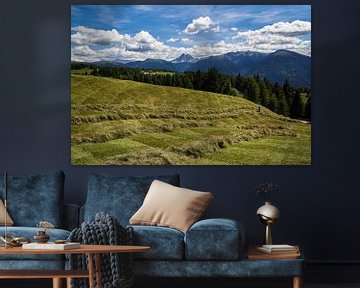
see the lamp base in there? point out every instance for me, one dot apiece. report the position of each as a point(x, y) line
point(268, 237)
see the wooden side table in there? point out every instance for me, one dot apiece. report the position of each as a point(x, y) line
point(92, 251)
point(254, 254)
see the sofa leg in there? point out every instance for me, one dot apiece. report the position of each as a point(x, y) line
point(297, 282)
point(57, 283)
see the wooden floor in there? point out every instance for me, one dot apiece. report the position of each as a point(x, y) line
point(45, 283)
point(339, 285)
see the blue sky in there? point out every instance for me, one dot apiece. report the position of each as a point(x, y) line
point(137, 32)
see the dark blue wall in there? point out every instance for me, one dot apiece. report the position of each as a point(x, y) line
point(318, 203)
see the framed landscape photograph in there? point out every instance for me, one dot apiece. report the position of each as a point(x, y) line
point(191, 85)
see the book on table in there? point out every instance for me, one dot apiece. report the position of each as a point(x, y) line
point(278, 249)
point(254, 253)
point(51, 246)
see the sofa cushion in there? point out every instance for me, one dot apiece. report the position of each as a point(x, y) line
point(35, 198)
point(9, 221)
point(214, 239)
point(29, 232)
point(119, 196)
point(170, 206)
point(165, 243)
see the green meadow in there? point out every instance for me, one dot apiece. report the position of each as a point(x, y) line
point(120, 122)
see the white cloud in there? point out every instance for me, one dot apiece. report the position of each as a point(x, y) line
point(86, 41)
point(91, 45)
point(215, 29)
point(289, 29)
point(144, 41)
point(280, 35)
point(172, 40)
point(295, 28)
point(254, 44)
point(83, 50)
point(88, 36)
point(186, 40)
point(199, 24)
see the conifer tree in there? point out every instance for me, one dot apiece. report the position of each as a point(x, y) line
point(297, 108)
point(212, 81)
point(253, 91)
point(239, 83)
point(273, 103)
point(264, 94)
point(187, 82)
point(283, 105)
point(225, 87)
point(308, 108)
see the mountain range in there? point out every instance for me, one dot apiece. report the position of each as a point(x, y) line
point(275, 66)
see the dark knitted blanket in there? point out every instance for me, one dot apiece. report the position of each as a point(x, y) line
point(116, 268)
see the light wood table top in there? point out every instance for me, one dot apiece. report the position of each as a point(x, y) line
point(88, 249)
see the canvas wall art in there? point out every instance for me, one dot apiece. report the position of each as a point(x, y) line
point(191, 84)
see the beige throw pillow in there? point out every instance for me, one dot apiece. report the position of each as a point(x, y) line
point(170, 206)
point(9, 221)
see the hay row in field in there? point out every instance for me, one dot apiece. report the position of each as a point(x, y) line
point(104, 134)
point(78, 108)
point(212, 144)
point(127, 116)
point(193, 149)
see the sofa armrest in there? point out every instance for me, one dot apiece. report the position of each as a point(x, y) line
point(71, 216)
point(215, 239)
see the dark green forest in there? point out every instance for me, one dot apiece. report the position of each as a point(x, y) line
point(282, 98)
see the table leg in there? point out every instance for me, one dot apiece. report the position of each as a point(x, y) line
point(297, 282)
point(91, 270)
point(57, 283)
point(98, 270)
point(68, 282)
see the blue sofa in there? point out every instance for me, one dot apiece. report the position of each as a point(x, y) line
point(210, 248)
point(32, 199)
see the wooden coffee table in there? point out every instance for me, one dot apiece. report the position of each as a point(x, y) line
point(92, 251)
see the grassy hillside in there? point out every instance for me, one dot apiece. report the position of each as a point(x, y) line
point(119, 122)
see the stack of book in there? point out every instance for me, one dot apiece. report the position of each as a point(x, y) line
point(51, 246)
point(274, 252)
point(279, 249)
